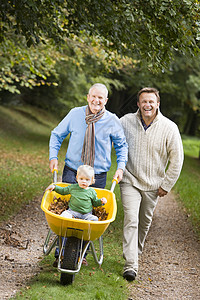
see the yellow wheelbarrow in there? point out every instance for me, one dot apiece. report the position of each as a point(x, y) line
point(75, 235)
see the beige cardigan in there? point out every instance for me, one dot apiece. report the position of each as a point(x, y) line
point(150, 152)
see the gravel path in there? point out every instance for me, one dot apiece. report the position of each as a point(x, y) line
point(170, 263)
point(169, 266)
point(21, 241)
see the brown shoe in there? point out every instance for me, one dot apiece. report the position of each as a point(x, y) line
point(55, 263)
point(84, 262)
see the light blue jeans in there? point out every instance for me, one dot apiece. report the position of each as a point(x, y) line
point(138, 213)
point(71, 213)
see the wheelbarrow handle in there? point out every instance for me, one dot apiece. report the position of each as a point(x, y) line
point(55, 175)
point(114, 182)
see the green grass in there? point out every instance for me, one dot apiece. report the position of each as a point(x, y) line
point(187, 189)
point(191, 146)
point(24, 136)
point(188, 184)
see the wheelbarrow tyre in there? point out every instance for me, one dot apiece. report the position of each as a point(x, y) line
point(70, 259)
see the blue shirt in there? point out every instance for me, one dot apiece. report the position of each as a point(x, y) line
point(108, 130)
point(144, 125)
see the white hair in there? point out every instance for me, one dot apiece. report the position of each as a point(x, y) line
point(100, 86)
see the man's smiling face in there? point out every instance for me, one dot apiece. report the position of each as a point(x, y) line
point(148, 106)
point(96, 99)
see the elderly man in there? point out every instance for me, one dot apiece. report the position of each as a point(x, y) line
point(92, 131)
point(154, 164)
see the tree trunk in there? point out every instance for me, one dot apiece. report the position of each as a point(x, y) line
point(191, 123)
point(122, 103)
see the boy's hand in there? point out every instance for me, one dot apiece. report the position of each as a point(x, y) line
point(103, 200)
point(50, 188)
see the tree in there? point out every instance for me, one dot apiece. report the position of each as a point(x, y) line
point(92, 39)
point(22, 67)
point(148, 29)
point(179, 87)
point(80, 62)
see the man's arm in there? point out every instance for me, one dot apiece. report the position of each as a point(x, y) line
point(57, 136)
point(175, 155)
point(121, 148)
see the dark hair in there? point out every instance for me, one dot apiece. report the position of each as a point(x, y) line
point(149, 90)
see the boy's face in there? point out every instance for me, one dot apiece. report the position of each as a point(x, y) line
point(83, 181)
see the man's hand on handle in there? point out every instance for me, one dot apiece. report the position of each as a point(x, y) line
point(118, 175)
point(53, 164)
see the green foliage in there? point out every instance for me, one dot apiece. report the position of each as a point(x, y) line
point(145, 28)
point(81, 66)
point(73, 44)
point(179, 89)
point(74, 67)
point(32, 18)
point(22, 67)
point(184, 96)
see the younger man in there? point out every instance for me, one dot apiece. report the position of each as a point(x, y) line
point(154, 164)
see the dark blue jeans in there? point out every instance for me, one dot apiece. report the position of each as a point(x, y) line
point(69, 176)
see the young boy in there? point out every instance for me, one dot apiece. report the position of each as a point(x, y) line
point(83, 197)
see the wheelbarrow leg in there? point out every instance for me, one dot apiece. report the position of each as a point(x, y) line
point(48, 247)
point(99, 260)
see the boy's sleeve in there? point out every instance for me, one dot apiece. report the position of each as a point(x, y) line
point(95, 201)
point(62, 190)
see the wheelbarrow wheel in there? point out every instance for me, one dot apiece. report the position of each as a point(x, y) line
point(70, 259)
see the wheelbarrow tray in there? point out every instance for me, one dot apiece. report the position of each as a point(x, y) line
point(82, 229)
